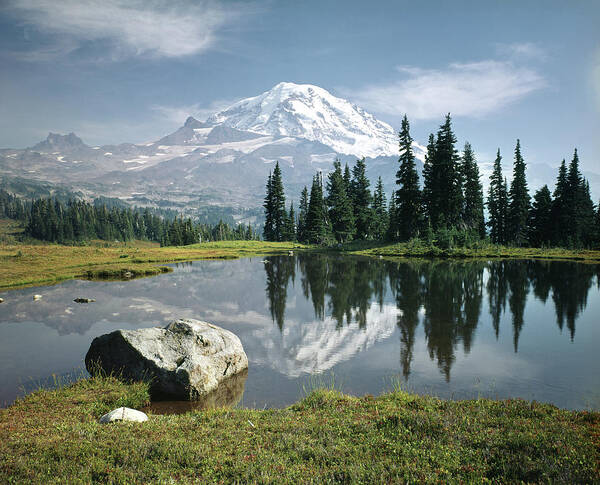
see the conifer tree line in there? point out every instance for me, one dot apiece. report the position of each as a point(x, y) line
point(445, 208)
point(78, 221)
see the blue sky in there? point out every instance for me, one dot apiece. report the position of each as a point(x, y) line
point(114, 71)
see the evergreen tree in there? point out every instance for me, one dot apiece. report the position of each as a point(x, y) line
point(587, 216)
point(380, 214)
point(316, 219)
point(408, 195)
point(497, 203)
point(429, 203)
point(473, 193)
point(518, 208)
point(274, 204)
point(573, 202)
point(269, 230)
point(392, 230)
point(576, 207)
point(341, 215)
point(302, 215)
point(540, 218)
point(560, 214)
point(503, 202)
point(447, 177)
point(278, 197)
point(361, 198)
point(289, 228)
point(347, 180)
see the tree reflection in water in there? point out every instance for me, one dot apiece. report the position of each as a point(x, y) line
point(445, 296)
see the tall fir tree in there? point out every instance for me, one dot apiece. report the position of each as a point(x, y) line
point(302, 215)
point(503, 201)
point(361, 199)
point(497, 203)
point(380, 214)
point(540, 218)
point(577, 207)
point(278, 200)
point(518, 207)
point(587, 216)
point(289, 227)
point(408, 194)
point(268, 230)
point(574, 201)
point(429, 203)
point(392, 230)
point(347, 179)
point(473, 192)
point(341, 215)
point(447, 176)
point(560, 214)
point(317, 230)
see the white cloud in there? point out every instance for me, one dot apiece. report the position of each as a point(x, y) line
point(178, 114)
point(151, 28)
point(522, 50)
point(464, 89)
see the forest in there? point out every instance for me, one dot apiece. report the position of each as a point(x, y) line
point(76, 221)
point(446, 209)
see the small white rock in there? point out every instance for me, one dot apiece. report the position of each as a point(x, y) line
point(124, 414)
point(1, 300)
point(37, 297)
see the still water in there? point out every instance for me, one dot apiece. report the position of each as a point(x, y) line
point(497, 329)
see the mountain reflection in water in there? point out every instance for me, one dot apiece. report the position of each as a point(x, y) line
point(445, 296)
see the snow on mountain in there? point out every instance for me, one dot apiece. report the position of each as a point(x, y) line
point(227, 158)
point(311, 112)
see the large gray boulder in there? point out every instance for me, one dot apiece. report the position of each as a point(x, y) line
point(187, 359)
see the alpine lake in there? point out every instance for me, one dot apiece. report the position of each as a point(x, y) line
point(456, 329)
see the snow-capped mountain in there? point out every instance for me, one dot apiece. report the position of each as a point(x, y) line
point(310, 112)
point(226, 159)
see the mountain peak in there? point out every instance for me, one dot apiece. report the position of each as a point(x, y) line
point(56, 141)
point(192, 122)
point(313, 113)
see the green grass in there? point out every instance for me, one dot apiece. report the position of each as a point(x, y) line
point(327, 437)
point(29, 265)
point(481, 250)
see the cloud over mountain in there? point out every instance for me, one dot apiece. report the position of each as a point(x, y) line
point(473, 89)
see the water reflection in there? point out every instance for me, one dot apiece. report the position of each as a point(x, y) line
point(228, 394)
point(521, 328)
point(446, 297)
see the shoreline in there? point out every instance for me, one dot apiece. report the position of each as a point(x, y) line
point(26, 265)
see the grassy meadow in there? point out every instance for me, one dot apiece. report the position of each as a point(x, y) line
point(31, 263)
point(327, 437)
